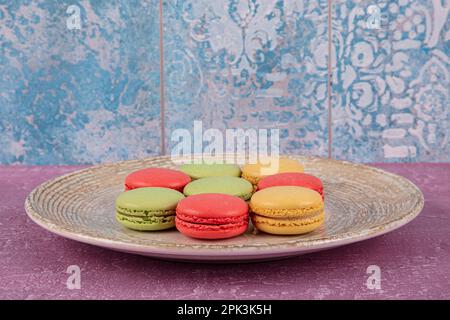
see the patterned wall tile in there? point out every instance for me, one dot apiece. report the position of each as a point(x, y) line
point(78, 96)
point(249, 64)
point(92, 95)
point(391, 81)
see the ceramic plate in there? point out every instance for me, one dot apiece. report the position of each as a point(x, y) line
point(361, 202)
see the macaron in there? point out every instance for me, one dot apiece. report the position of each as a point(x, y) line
point(148, 209)
point(287, 210)
point(212, 216)
point(292, 179)
point(198, 171)
point(233, 186)
point(157, 177)
point(253, 172)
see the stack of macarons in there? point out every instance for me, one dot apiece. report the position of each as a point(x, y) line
point(215, 201)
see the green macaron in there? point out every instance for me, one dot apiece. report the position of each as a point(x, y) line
point(227, 185)
point(147, 209)
point(202, 170)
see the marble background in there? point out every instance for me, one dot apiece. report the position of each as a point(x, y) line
point(92, 90)
point(391, 87)
point(78, 96)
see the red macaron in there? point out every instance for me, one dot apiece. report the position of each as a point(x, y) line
point(212, 216)
point(157, 177)
point(292, 179)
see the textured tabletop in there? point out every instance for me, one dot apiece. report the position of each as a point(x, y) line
point(414, 260)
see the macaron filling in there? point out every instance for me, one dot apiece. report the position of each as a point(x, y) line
point(146, 224)
point(144, 213)
point(212, 221)
point(212, 227)
point(280, 216)
point(283, 212)
point(146, 220)
point(291, 222)
point(252, 179)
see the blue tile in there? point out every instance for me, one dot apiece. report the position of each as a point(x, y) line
point(248, 64)
point(79, 95)
point(92, 95)
point(391, 84)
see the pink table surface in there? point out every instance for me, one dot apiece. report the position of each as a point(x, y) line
point(414, 260)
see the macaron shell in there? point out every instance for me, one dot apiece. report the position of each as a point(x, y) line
point(198, 171)
point(292, 179)
point(212, 216)
point(226, 185)
point(204, 231)
point(147, 209)
point(157, 177)
point(152, 200)
point(146, 224)
point(254, 172)
point(288, 226)
point(286, 201)
point(212, 209)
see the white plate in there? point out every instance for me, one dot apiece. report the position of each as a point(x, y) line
point(361, 202)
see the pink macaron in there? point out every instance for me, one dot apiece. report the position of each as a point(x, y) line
point(212, 216)
point(157, 177)
point(292, 179)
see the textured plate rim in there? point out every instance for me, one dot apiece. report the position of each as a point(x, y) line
point(210, 250)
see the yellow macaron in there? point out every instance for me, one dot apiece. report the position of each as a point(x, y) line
point(287, 210)
point(253, 172)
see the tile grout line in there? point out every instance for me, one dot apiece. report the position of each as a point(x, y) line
point(161, 80)
point(330, 80)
